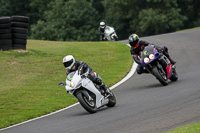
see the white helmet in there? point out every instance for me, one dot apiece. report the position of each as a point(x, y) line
point(102, 25)
point(68, 61)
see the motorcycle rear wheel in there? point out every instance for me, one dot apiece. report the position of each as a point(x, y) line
point(116, 38)
point(87, 104)
point(112, 100)
point(174, 77)
point(160, 76)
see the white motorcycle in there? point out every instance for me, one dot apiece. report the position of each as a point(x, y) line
point(110, 34)
point(89, 95)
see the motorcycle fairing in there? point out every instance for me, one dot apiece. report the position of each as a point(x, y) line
point(88, 84)
point(169, 70)
point(165, 62)
point(146, 53)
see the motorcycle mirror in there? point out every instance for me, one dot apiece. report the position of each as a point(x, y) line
point(61, 83)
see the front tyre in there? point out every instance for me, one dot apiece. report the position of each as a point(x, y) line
point(160, 75)
point(88, 104)
point(112, 100)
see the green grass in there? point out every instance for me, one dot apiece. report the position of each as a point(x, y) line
point(193, 128)
point(29, 80)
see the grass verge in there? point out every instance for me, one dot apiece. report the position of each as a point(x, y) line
point(193, 128)
point(29, 80)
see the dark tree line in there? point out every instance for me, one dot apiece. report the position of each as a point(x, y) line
point(78, 20)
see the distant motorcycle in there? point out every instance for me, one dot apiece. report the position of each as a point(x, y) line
point(89, 95)
point(158, 64)
point(110, 34)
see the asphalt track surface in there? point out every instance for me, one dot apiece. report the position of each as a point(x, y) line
point(143, 104)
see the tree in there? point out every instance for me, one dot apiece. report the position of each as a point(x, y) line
point(191, 9)
point(37, 9)
point(14, 7)
point(163, 16)
point(97, 4)
point(144, 17)
point(67, 21)
point(32, 8)
point(119, 14)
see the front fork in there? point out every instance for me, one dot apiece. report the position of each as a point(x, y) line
point(150, 67)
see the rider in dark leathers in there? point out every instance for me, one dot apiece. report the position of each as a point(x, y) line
point(138, 45)
point(72, 65)
point(102, 28)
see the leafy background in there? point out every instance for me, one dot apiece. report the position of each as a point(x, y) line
point(69, 20)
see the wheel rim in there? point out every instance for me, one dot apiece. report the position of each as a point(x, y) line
point(163, 74)
point(89, 102)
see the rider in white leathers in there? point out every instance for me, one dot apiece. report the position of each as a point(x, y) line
point(72, 65)
point(102, 28)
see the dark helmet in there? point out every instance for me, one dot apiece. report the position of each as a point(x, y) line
point(134, 40)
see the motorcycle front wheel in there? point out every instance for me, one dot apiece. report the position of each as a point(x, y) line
point(88, 104)
point(160, 76)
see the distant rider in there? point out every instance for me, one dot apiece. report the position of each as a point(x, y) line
point(102, 28)
point(138, 45)
point(72, 65)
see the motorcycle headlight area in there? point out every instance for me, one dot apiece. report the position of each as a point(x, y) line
point(146, 60)
point(72, 84)
point(151, 56)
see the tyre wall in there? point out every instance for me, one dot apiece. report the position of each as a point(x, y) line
point(13, 32)
point(5, 33)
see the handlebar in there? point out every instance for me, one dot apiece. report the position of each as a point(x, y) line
point(84, 74)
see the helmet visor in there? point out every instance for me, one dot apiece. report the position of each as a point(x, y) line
point(68, 63)
point(102, 26)
point(134, 44)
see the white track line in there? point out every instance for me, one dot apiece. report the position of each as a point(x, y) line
point(132, 71)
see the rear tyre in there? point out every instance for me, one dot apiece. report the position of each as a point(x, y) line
point(88, 105)
point(160, 76)
point(174, 77)
point(112, 100)
point(116, 38)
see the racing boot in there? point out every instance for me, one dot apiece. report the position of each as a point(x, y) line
point(172, 61)
point(105, 89)
point(166, 53)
